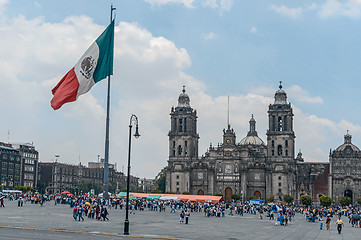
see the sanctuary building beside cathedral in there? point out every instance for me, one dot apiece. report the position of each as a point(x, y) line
point(253, 167)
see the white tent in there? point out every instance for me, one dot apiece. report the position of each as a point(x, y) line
point(169, 198)
point(101, 194)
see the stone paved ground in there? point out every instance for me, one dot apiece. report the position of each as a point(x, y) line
point(165, 224)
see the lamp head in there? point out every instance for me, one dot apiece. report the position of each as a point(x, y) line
point(136, 134)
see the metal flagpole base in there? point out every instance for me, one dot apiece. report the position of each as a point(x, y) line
point(126, 227)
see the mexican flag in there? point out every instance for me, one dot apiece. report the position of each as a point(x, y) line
point(95, 65)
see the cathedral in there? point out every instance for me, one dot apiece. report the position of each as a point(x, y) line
point(253, 167)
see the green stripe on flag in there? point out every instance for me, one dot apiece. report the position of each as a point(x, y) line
point(105, 43)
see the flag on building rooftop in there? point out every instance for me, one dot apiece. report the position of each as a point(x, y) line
point(95, 65)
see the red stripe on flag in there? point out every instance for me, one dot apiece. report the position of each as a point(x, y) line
point(66, 90)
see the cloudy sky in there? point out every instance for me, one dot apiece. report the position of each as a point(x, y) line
point(215, 47)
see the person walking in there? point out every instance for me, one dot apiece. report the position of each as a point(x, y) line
point(321, 222)
point(187, 214)
point(105, 214)
point(75, 213)
point(173, 209)
point(80, 212)
point(339, 224)
point(328, 221)
point(181, 217)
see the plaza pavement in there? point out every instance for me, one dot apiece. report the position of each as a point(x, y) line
point(56, 222)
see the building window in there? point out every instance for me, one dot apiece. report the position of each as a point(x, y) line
point(286, 152)
point(279, 184)
point(286, 143)
point(177, 177)
point(279, 178)
point(179, 150)
point(180, 125)
point(279, 150)
point(186, 148)
point(280, 124)
point(273, 123)
point(177, 183)
point(285, 123)
point(175, 124)
point(185, 124)
point(273, 143)
point(273, 152)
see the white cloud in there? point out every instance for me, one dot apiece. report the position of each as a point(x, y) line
point(349, 8)
point(253, 29)
point(3, 4)
point(226, 5)
point(209, 36)
point(186, 3)
point(288, 12)
point(301, 95)
point(223, 5)
point(312, 6)
point(210, 3)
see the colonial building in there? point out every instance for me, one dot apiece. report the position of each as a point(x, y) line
point(29, 164)
point(253, 167)
point(57, 177)
point(19, 165)
point(10, 165)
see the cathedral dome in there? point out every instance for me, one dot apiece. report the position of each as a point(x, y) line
point(183, 99)
point(251, 140)
point(280, 96)
point(348, 143)
point(252, 136)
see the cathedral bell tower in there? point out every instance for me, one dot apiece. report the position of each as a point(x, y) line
point(281, 147)
point(280, 134)
point(183, 145)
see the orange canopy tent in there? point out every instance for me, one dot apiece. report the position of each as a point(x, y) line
point(182, 197)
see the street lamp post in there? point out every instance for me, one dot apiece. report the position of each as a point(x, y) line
point(133, 120)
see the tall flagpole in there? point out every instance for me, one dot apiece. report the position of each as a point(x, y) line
point(106, 157)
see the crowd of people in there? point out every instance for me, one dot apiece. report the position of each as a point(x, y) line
point(93, 207)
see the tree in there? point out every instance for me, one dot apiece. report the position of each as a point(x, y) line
point(344, 201)
point(156, 191)
point(306, 200)
point(271, 198)
point(325, 201)
point(86, 185)
point(160, 180)
point(170, 192)
point(288, 198)
point(359, 200)
point(235, 197)
point(23, 188)
point(186, 193)
point(218, 194)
